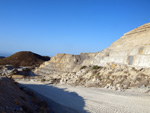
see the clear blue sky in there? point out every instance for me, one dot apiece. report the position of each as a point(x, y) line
point(48, 27)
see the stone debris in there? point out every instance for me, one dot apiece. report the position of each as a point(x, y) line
point(120, 77)
point(8, 70)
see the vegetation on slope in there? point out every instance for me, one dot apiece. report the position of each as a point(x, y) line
point(24, 58)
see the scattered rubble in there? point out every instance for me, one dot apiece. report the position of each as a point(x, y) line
point(112, 76)
point(8, 70)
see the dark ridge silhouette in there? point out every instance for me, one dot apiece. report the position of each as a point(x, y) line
point(24, 58)
point(2, 57)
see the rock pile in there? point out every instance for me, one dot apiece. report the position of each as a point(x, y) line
point(10, 71)
point(113, 76)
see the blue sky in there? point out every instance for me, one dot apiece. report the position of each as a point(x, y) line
point(48, 27)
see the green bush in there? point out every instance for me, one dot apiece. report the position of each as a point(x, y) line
point(43, 80)
point(95, 67)
point(83, 67)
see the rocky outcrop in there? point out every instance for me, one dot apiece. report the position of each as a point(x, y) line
point(131, 50)
point(70, 63)
point(133, 47)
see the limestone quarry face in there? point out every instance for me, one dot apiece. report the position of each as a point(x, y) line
point(131, 50)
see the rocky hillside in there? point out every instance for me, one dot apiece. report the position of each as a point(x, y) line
point(130, 51)
point(24, 58)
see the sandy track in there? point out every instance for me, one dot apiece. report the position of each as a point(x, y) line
point(93, 100)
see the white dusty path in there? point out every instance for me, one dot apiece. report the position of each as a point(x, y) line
point(93, 100)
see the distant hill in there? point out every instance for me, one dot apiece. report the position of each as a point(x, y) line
point(24, 58)
point(1, 57)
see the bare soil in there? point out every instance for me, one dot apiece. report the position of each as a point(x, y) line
point(19, 100)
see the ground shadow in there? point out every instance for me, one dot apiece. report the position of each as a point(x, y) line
point(59, 100)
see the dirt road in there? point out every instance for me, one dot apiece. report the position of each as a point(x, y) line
point(93, 100)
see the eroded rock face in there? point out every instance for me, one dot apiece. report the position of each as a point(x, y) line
point(132, 49)
point(70, 63)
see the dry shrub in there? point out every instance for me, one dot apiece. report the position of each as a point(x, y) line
point(96, 67)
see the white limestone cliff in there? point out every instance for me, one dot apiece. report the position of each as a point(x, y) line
point(132, 50)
